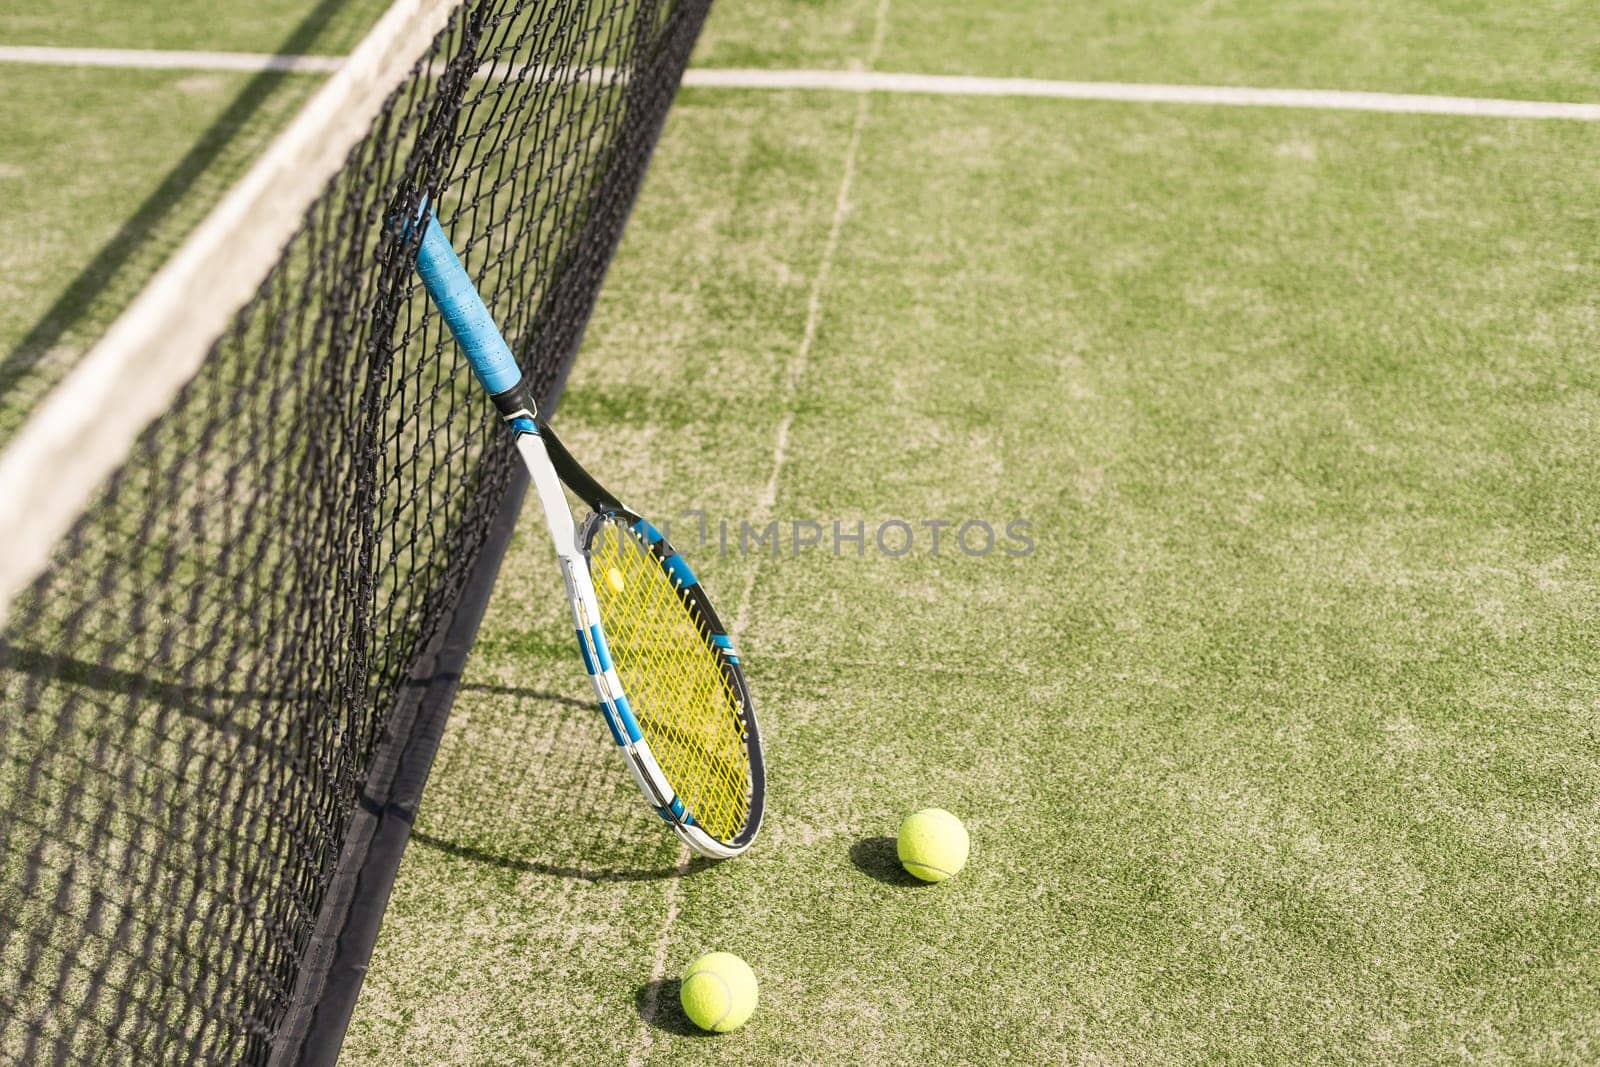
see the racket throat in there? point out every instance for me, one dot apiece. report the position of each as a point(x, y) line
point(553, 501)
point(518, 407)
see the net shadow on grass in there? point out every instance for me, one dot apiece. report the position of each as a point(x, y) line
point(583, 874)
point(531, 783)
point(523, 693)
point(196, 701)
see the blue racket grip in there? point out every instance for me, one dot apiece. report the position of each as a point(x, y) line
point(458, 301)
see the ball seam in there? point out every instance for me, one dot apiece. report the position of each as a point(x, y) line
point(928, 867)
point(727, 992)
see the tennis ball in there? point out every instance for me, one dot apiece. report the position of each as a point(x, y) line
point(614, 579)
point(932, 844)
point(718, 992)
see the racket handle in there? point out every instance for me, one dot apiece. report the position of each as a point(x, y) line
point(470, 322)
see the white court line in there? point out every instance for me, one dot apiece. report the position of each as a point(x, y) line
point(150, 59)
point(769, 493)
point(258, 62)
point(957, 85)
point(876, 82)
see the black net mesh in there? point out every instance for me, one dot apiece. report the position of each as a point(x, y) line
point(195, 690)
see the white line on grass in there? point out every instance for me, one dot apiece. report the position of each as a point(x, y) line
point(868, 81)
point(955, 85)
point(152, 59)
point(257, 62)
point(802, 356)
point(658, 964)
point(769, 493)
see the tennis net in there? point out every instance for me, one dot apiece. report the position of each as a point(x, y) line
point(276, 502)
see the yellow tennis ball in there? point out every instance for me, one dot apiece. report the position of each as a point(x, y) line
point(932, 844)
point(718, 992)
point(614, 579)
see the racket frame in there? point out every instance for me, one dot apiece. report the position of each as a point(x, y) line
point(549, 466)
point(572, 545)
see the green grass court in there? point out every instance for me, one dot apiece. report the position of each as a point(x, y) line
point(1283, 743)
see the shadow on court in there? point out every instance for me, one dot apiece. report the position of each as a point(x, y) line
point(522, 693)
point(577, 873)
point(658, 1004)
point(877, 856)
point(530, 782)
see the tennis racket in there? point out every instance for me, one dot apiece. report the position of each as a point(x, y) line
point(663, 667)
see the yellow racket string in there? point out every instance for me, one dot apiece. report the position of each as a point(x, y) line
point(674, 681)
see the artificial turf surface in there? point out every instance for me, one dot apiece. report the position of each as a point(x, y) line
point(104, 171)
point(102, 174)
point(1451, 47)
point(290, 26)
point(1280, 745)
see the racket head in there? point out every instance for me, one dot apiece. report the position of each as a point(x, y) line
point(682, 679)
